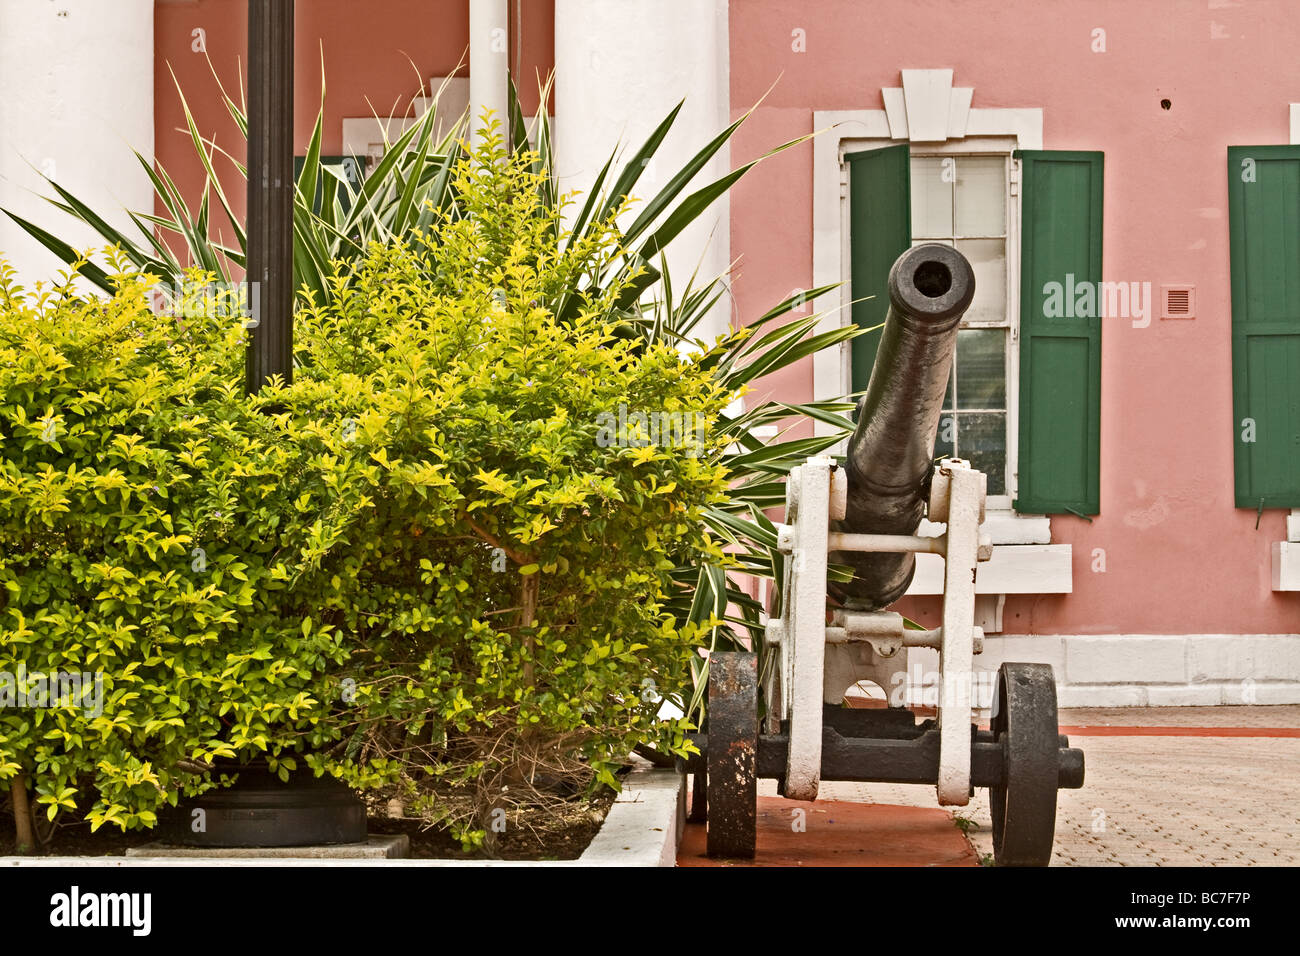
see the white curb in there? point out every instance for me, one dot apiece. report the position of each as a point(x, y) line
point(643, 828)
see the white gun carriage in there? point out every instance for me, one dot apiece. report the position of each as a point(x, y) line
point(789, 723)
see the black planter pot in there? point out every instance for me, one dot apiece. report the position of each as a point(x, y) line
point(261, 811)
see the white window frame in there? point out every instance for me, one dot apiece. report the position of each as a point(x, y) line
point(930, 107)
point(989, 146)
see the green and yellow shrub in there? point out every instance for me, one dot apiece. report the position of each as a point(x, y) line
point(496, 527)
point(437, 564)
point(144, 542)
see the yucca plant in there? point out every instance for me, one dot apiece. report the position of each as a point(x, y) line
point(412, 185)
point(407, 188)
point(710, 595)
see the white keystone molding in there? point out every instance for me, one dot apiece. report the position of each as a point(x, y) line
point(927, 109)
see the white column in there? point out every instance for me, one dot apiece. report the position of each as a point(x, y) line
point(619, 69)
point(76, 96)
point(489, 62)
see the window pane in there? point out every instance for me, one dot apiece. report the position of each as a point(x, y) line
point(981, 196)
point(988, 257)
point(981, 368)
point(982, 440)
point(931, 199)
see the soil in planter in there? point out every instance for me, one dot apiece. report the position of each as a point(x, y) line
point(529, 835)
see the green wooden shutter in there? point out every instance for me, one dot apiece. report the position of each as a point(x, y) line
point(1264, 229)
point(1060, 355)
point(880, 230)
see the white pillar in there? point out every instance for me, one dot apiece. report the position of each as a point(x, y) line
point(76, 96)
point(489, 62)
point(619, 69)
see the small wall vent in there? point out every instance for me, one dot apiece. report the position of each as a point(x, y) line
point(1178, 302)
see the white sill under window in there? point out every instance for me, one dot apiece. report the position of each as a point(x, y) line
point(1286, 556)
point(1024, 559)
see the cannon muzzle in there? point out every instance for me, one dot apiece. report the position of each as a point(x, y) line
point(891, 453)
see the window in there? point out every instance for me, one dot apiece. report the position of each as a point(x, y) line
point(1024, 401)
point(961, 200)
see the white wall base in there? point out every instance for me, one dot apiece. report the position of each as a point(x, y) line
point(1137, 670)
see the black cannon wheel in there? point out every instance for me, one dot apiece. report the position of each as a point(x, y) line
point(732, 754)
point(1024, 806)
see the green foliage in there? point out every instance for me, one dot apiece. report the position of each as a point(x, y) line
point(408, 187)
point(435, 562)
point(499, 556)
point(143, 539)
point(411, 203)
point(710, 596)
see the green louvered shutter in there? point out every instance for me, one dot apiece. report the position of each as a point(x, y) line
point(880, 230)
point(1264, 229)
point(1060, 355)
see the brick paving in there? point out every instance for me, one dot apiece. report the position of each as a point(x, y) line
point(1151, 800)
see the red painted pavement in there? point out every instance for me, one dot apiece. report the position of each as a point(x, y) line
point(843, 834)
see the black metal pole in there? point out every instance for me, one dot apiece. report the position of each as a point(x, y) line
point(270, 191)
point(259, 811)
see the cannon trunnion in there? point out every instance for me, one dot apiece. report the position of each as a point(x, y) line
point(864, 514)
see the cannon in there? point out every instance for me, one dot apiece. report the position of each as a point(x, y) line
point(789, 722)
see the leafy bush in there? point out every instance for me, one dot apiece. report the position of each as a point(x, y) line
point(502, 496)
point(438, 561)
point(146, 542)
point(413, 183)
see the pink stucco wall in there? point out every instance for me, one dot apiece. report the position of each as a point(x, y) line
point(1179, 557)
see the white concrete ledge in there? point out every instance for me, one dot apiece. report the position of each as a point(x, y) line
point(642, 828)
point(378, 846)
point(1286, 564)
point(645, 824)
point(1013, 569)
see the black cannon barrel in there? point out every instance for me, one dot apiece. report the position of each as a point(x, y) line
point(891, 453)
